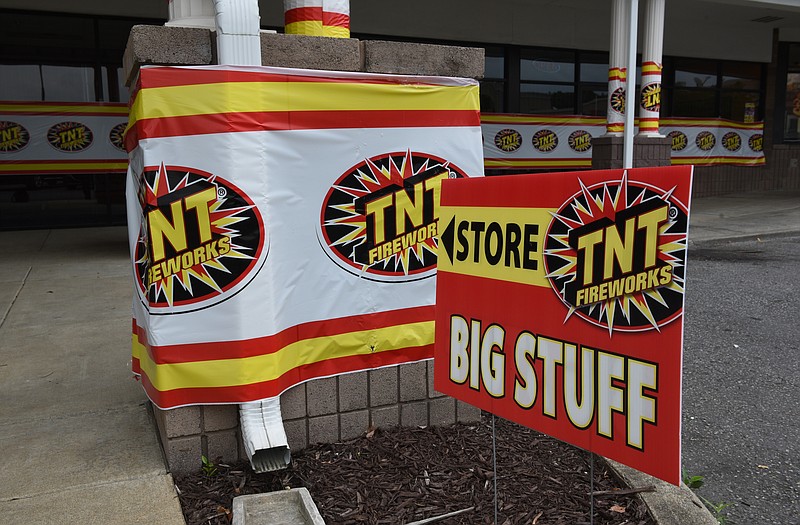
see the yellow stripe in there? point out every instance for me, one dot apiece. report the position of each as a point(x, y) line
point(244, 371)
point(524, 119)
point(711, 123)
point(651, 69)
point(306, 27)
point(564, 163)
point(513, 272)
point(48, 166)
point(88, 110)
point(235, 97)
point(716, 160)
point(336, 32)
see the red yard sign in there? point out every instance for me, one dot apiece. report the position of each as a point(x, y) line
point(559, 305)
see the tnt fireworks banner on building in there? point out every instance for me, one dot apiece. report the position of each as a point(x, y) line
point(45, 137)
point(560, 306)
point(284, 224)
point(541, 141)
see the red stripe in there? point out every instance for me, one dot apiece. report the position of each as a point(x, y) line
point(335, 19)
point(302, 14)
point(157, 77)
point(295, 120)
point(188, 353)
point(67, 171)
point(266, 389)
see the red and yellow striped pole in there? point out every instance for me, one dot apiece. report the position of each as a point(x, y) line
point(617, 72)
point(650, 95)
point(303, 17)
point(336, 18)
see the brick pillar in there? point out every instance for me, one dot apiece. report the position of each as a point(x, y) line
point(330, 409)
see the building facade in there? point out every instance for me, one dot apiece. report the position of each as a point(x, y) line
point(61, 66)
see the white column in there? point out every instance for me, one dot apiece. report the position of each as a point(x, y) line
point(627, 141)
point(652, 51)
point(615, 113)
point(191, 13)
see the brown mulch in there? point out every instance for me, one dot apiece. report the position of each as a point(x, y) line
point(402, 475)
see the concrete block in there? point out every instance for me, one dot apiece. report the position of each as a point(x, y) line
point(467, 413)
point(414, 414)
point(353, 391)
point(413, 381)
point(296, 434)
point(321, 396)
point(353, 424)
point(432, 392)
point(310, 52)
point(386, 417)
point(223, 446)
point(423, 59)
point(442, 411)
point(183, 454)
point(165, 45)
point(220, 417)
point(383, 386)
point(290, 507)
point(293, 402)
point(178, 422)
point(323, 429)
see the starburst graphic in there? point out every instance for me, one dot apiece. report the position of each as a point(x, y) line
point(200, 237)
point(379, 220)
point(628, 301)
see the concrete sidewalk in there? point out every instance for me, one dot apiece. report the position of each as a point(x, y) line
point(78, 443)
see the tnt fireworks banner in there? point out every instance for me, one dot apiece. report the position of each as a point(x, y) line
point(560, 306)
point(284, 223)
point(42, 137)
point(530, 141)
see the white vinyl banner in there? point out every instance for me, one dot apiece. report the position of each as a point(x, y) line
point(530, 141)
point(284, 223)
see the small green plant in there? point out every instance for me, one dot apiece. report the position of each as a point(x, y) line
point(209, 468)
point(716, 509)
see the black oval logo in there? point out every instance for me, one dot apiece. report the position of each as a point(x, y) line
point(201, 239)
point(380, 219)
point(545, 140)
point(13, 137)
point(508, 140)
point(70, 137)
point(117, 136)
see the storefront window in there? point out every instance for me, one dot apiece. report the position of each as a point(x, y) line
point(493, 85)
point(547, 66)
point(20, 82)
point(789, 91)
point(547, 99)
point(67, 83)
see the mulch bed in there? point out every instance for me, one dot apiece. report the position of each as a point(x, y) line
point(403, 475)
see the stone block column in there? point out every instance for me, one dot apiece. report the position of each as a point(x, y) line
point(329, 409)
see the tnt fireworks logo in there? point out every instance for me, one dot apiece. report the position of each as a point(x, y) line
point(13, 137)
point(545, 140)
point(679, 140)
point(756, 142)
point(615, 255)
point(580, 141)
point(732, 141)
point(508, 140)
point(705, 140)
point(617, 100)
point(117, 136)
point(201, 239)
point(70, 137)
point(651, 97)
point(380, 219)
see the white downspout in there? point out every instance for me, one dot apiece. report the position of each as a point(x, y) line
point(239, 43)
point(237, 24)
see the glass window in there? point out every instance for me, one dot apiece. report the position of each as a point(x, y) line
point(492, 96)
point(548, 66)
point(20, 82)
point(495, 67)
point(792, 105)
point(694, 103)
point(594, 67)
point(695, 73)
point(734, 105)
point(68, 84)
point(594, 100)
point(741, 75)
point(547, 99)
